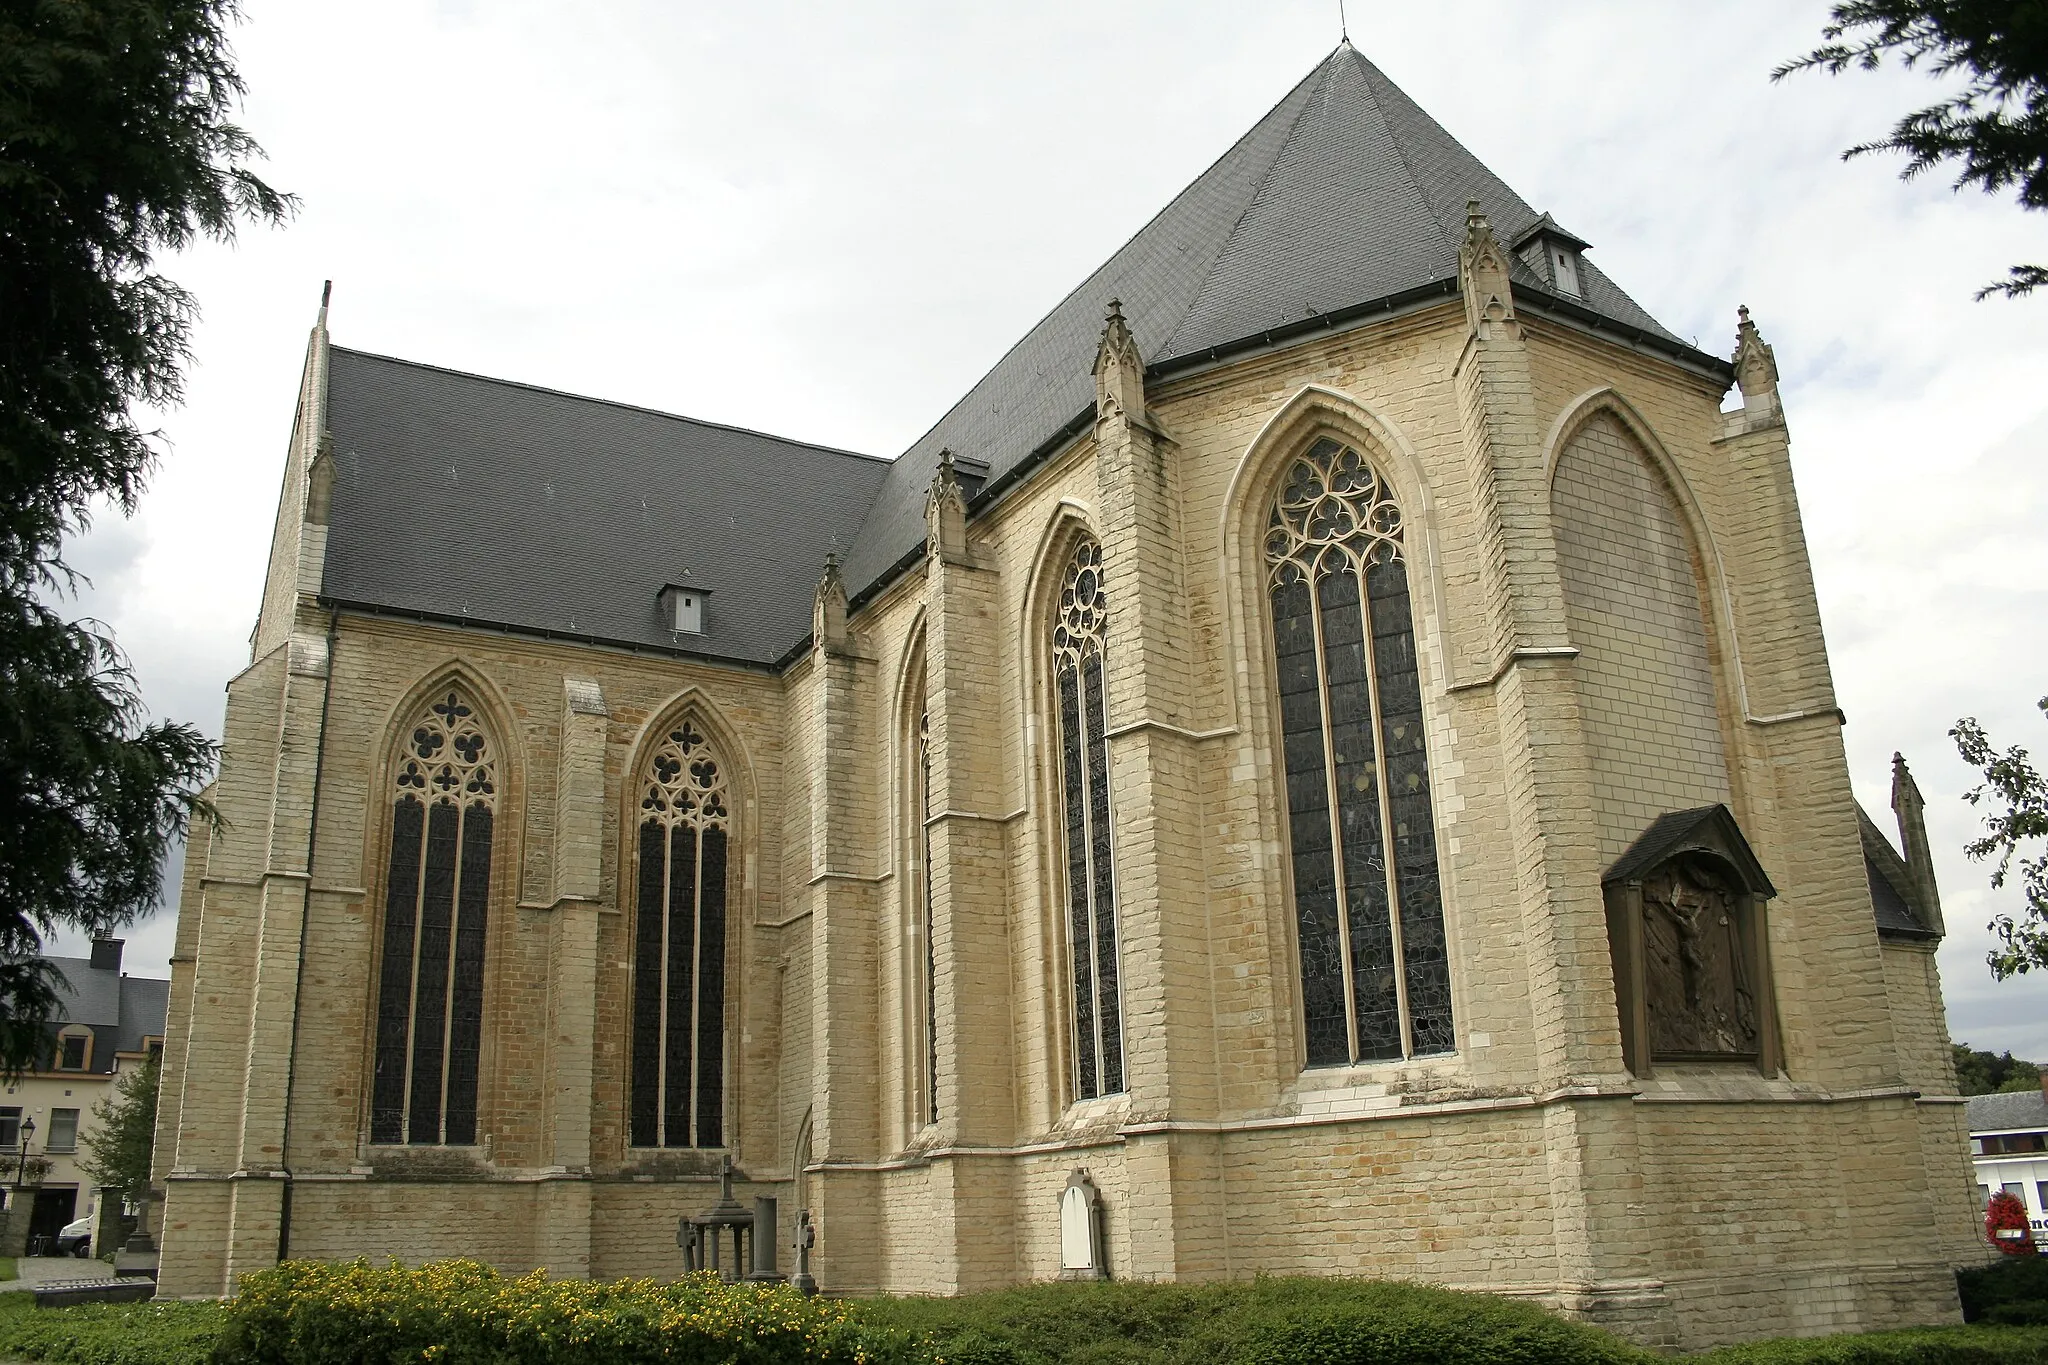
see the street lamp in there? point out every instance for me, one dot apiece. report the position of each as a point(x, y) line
point(28, 1130)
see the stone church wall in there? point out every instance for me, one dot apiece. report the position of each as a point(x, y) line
point(1527, 1161)
point(1632, 598)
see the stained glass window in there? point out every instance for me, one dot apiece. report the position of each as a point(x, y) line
point(679, 938)
point(430, 991)
point(1375, 968)
point(1077, 661)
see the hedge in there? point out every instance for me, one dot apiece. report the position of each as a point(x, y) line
point(1914, 1346)
point(167, 1333)
point(466, 1313)
point(2012, 1290)
point(1306, 1321)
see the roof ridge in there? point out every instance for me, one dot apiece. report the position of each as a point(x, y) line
point(1031, 333)
point(613, 403)
point(1321, 74)
point(1367, 70)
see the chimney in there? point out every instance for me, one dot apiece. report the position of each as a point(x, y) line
point(106, 954)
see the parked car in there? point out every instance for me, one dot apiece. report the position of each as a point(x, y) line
point(75, 1238)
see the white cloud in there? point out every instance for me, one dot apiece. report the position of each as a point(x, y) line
point(827, 221)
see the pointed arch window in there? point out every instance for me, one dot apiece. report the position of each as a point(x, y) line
point(436, 910)
point(1375, 968)
point(679, 938)
point(1077, 662)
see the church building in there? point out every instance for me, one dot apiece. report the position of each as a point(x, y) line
point(1326, 750)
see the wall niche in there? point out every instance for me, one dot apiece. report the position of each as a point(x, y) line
point(1686, 927)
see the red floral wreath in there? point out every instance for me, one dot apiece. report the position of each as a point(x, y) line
point(2005, 1224)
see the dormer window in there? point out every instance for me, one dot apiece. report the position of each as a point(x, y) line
point(1553, 254)
point(1564, 268)
point(682, 608)
point(74, 1049)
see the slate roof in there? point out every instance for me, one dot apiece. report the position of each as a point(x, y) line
point(2022, 1109)
point(133, 1007)
point(1680, 829)
point(1344, 195)
point(491, 503)
point(1892, 894)
point(496, 503)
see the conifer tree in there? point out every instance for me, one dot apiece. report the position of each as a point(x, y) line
point(1996, 126)
point(115, 145)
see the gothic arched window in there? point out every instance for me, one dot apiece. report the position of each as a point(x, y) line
point(1077, 660)
point(437, 888)
point(1375, 969)
point(678, 1092)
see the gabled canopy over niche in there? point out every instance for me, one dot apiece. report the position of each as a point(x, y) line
point(1692, 967)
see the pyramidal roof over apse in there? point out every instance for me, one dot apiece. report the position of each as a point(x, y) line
point(1346, 194)
point(482, 501)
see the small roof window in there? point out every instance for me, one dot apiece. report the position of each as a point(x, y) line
point(682, 608)
point(1553, 254)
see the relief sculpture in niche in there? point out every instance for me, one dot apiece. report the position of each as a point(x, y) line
point(1700, 1000)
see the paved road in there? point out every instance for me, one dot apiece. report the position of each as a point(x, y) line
point(35, 1270)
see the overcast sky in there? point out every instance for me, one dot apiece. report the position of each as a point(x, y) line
point(828, 222)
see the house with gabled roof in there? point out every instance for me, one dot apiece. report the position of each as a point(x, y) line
point(1323, 761)
point(107, 1024)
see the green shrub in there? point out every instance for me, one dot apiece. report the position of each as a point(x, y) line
point(465, 1313)
point(1277, 1321)
point(108, 1333)
point(2017, 1284)
point(1915, 1346)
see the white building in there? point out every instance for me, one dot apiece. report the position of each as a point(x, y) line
point(2009, 1143)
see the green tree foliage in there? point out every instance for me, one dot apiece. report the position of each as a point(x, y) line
point(2020, 820)
point(1990, 1073)
point(115, 1151)
point(115, 144)
point(1996, 126)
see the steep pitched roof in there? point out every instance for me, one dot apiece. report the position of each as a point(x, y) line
point(486, 502)
point(121, 1010)
point(483, 501)
point(1345, 194)
point(1893, 896)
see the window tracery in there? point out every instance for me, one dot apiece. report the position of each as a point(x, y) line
point(678, 1037)
point(436, 912)
point(1078, 632)
point(1375, 968)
